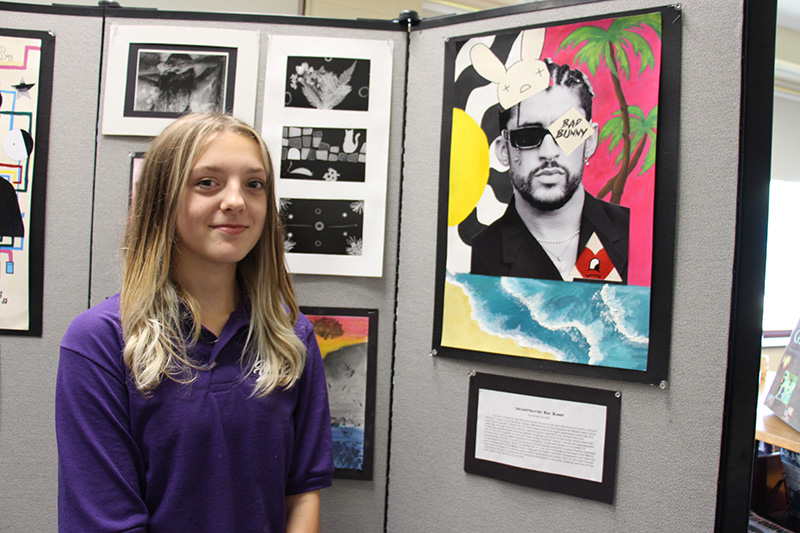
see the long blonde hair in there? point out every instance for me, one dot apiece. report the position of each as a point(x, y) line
point(156, 311)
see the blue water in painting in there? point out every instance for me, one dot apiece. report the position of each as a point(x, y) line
point(348, 447)
point(588, 323)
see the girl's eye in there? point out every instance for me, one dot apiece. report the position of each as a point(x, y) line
point(256, 184)
point(205, 182)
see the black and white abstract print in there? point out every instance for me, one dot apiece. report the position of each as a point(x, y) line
point(324, 154)
point(169, 81)
point(327, 83)
point(313, 226)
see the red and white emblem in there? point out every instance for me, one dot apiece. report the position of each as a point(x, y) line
point(593, 263)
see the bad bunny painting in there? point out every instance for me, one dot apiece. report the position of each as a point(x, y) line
point(550, 180)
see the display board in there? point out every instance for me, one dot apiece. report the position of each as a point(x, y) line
point(421, 402)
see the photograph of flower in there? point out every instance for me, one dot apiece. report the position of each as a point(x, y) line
point(327, 83)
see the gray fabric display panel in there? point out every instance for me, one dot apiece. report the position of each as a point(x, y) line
point(28, 365)
point(664, 481)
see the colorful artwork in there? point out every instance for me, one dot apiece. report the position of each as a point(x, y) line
point(348, 342)
point(786, 388)
point(158, 73)
point(781, 398)
point(26, 69)
point(137, 161)
point(546, 237)
point(325, 97)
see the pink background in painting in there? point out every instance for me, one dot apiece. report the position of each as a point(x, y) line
point(640, 90)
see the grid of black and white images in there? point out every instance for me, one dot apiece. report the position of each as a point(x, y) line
point(326, 97)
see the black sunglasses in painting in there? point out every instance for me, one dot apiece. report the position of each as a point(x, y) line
point(526, 137)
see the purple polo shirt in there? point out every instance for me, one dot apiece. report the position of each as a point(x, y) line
point(205, 456)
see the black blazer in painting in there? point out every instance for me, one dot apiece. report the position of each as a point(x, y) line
point(507, 248)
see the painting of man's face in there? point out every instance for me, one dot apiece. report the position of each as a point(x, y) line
point(545, 176)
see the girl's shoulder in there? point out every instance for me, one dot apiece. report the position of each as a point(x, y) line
point(303, 325)
point(96, 331)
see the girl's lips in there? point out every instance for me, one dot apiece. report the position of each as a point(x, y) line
point(231, 229)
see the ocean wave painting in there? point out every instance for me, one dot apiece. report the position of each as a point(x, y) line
point(348, 447)
point(585, 323)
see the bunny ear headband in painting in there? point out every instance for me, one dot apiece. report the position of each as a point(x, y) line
point(524, 78)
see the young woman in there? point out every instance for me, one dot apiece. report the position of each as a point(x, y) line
point(195, 400)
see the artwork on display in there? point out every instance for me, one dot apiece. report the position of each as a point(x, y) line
point(26, 81)
point(326, 97)
point(331, 227)
point(327, 83)
point(324, 154)
point(137, 160)
point(348, 342)
point(782, 397)
point(171, 80)
point(548, 436)
point(557, 195)
point(158, 73)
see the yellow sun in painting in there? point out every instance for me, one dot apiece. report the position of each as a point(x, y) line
point(469, 166)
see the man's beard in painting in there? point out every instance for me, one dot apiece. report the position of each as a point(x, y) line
point(543, 197)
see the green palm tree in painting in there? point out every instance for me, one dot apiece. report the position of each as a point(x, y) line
point(629, 125)
point(642, 135)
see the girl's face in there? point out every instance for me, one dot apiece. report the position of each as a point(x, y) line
point(222, 213)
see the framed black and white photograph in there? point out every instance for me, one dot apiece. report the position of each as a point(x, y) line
point(324, 154)
point(325, 97)
point(170, 80)
point(158, 73)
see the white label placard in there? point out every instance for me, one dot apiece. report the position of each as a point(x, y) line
point(543, 434)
